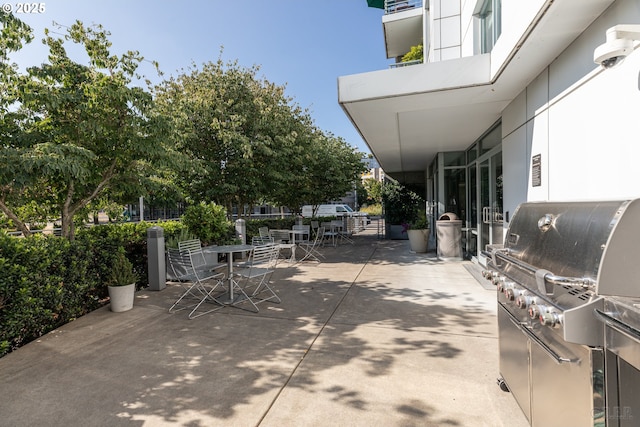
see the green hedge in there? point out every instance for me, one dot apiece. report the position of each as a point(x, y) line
point(47, 281)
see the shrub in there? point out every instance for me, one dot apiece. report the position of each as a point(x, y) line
point(372, 210)
point(415, 54)
point(171, 242)
point(401, 204)
point(45, 282)
point(121, 273)
point(209, 223)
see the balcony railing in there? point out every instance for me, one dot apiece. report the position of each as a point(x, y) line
point(395, 6)
point(405, 64)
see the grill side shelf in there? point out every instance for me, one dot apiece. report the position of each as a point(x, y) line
point(616, 324)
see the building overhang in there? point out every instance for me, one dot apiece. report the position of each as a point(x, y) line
point(407, 115)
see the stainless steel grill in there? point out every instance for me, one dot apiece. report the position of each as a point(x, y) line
point(561, 264)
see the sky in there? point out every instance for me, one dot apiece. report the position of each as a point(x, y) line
point(304, 45)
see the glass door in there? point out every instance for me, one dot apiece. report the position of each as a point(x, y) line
point(490, 216)
point(472, 223)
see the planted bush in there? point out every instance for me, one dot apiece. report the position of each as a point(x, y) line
point(208, 221)
point(45, 282)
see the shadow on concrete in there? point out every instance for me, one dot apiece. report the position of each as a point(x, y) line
point(149, 367)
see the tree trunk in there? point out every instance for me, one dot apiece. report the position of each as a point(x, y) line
point(16, 221)
point(67, 225)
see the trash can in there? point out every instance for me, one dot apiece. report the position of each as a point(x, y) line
point(449, 235)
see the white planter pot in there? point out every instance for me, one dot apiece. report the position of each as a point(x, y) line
point(419, 240)
point(122, 297)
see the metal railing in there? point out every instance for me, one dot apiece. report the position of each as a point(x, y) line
point(405, 64)
point(395, 6)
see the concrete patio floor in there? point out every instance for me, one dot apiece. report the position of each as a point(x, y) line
point(373, 336)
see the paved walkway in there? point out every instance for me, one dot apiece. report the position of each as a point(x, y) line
point(372, 336)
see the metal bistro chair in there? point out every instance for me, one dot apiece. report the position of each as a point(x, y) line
point(348, 225)
point(282, 239)
point(253, 279)
point(329, 233)
point(263, 231)
point(261, 240)
point(199, 284)
point(314, 227)
point(310, 248)
point(194, 247)
point(306, 229)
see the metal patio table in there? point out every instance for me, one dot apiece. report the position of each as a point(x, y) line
point(229, 250)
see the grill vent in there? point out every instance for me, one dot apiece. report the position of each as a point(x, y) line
point(579, 293)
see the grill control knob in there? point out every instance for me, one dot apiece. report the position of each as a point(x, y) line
point(536, 310)
point(512, 293)
point(550, 319)
point(487, 274)
point(523, 301)
point(497, 279)
point(503, 286)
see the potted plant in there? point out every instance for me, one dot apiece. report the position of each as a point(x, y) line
point(121, 283)
point(418, 233)
point(402, 206)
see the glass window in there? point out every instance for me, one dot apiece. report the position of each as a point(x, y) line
point(490, 16)
point(455, 192)
point(472, 153)
point(490, 140)
point(454, 158)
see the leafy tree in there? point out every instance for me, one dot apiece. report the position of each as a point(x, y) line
point(374, 190)
point(14, 34)
point(220, 114)
point(248, 143)
point(332, 169)
point(75, 130)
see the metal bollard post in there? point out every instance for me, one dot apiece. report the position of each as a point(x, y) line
point(156, 259)
point(241, 231)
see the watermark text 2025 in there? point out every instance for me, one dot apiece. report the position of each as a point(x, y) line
point(19, 8)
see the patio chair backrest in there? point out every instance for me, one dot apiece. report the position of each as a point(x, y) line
point(302, 227)
point(181, 264)
point(315, 225)
point(263, 231)
point(261, 240)
point(194, 248)
point(264, 256)
point(280, 236)
point(189, 245)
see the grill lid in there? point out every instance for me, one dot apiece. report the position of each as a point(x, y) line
point(591, 242)
point(619, 273)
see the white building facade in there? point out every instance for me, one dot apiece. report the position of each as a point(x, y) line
point(507, 106)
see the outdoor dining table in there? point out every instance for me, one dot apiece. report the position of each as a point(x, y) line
point(229, 250)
